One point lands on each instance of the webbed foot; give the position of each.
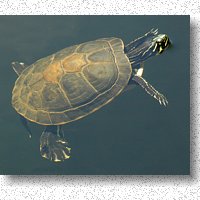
(54, 147)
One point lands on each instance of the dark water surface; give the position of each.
(131, 135)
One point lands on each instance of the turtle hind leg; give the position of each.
(25, 124)
(53, 146)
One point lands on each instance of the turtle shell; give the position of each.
(73, 82)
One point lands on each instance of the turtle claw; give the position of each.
(53, 147)
(161, 98)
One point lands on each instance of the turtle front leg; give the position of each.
(137, 78)
(53, 146)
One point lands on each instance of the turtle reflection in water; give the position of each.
(77, 81)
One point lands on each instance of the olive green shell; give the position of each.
(73, 82)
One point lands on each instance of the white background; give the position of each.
(115, 187)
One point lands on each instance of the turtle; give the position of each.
(77, 81)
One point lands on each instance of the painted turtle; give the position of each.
(77, 81)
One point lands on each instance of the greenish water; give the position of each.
(131, 135)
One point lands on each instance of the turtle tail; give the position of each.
(53, 146)
(142, 48)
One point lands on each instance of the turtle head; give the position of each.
(145, 47)
(161, 42)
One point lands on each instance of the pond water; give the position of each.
(131, 135)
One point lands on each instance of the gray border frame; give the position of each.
(116, 187)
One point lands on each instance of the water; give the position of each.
(131, 135)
